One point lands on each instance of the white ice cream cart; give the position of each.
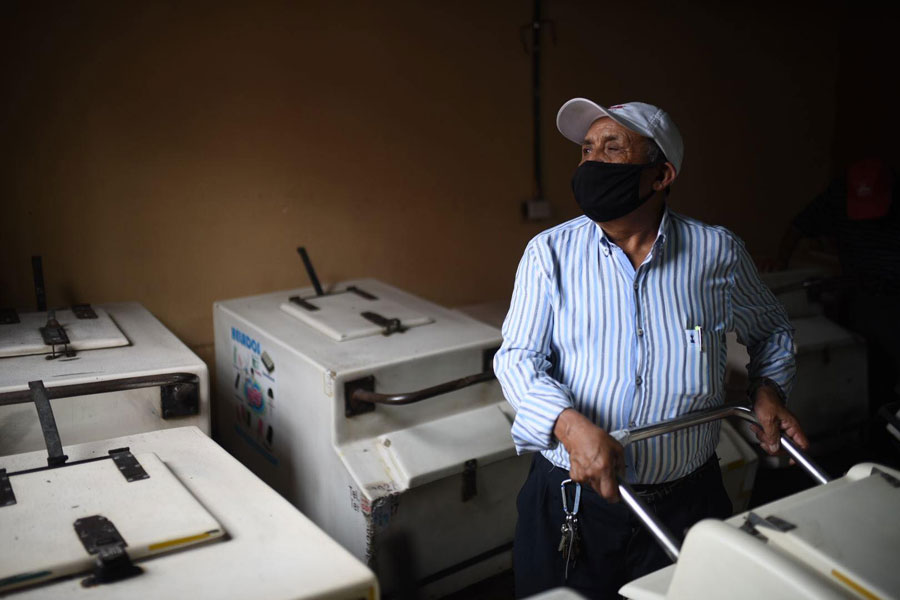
(164, 514)
(837, 540)
(115, 369)
(376, 413)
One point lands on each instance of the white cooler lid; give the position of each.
(846, 531)
(339, 315)
(38, 540)
(24, 338)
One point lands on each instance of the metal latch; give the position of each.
(753, 521)
(128, 465)
(469, 486)
(389, 326)
(55, 335)
(100, 537)
(7, 496)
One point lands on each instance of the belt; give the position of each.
(653, 492)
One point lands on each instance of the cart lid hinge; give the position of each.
(128, 465)
(84, 311)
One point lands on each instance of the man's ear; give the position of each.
(666, 176)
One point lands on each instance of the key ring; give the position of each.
(565, 497)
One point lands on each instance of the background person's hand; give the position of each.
(775, 419)
(595, 457)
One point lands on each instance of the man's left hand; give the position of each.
(775, 419)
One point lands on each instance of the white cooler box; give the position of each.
(121, 372)
(836, 540)
(166, 514)
(423, 492)
(830, 542)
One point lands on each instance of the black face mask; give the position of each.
(607, 191)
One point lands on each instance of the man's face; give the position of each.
(607, 141)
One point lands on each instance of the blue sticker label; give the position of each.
(244, 340)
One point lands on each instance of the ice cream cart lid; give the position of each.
(84, 328)
(354, 313)
(54, 521)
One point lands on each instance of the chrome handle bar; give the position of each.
(626, 436)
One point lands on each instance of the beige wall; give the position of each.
(177, 153)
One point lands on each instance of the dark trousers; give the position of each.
(615, 546)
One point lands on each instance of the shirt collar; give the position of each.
(661, 233)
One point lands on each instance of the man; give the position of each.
(618, 320)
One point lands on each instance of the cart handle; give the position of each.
(626, 436)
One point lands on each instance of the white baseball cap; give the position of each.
(576, 116)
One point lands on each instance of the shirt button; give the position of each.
(640, 332)
(638, 380)
(635, 285)
(606, 252)
(632, 424)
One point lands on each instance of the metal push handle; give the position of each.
(625, 436)
(101, 387)
(370, 397)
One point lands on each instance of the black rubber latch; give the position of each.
(100, 537)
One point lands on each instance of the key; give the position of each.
(564, 541)
(573, 545)
(569, 544)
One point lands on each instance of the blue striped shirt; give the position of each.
(585, 330)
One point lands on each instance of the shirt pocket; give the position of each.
(694, 376)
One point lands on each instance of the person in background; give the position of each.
(859, 211)
(617, 320)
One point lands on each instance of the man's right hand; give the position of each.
(595, 457)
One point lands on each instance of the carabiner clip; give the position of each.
(565, 496)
